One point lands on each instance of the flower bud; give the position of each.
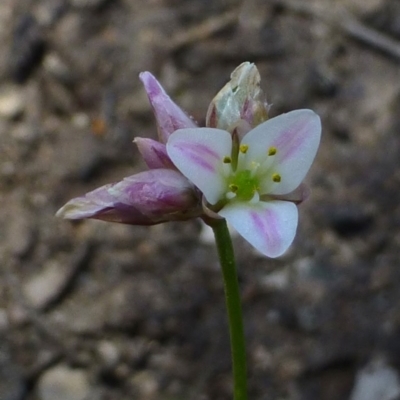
(154, 153)
(169, 116)
(147, 198)
(240, 99)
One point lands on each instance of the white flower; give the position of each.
(246, 182)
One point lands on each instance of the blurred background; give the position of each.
(96, 311)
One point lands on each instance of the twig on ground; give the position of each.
(203, 31)
(346, 22)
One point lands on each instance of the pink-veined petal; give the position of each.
(268, 226)
(169, 115)
(295, 136)
(198, 154)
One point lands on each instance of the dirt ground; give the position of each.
(97, 311)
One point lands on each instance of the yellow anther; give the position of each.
(234, 188)
(243, 148)
(276, 177)
(227, 160)
(272, 151)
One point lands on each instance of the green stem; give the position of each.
(233, 304)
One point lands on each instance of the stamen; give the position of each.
(276, 177)
(226, 169)
(254, 165)
(243, 148)
(230, 195)
(234, 188)
(256, 198)
(272, 151)
(227, 160)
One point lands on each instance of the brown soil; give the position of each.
(140, 311)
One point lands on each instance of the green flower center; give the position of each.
(243, 185)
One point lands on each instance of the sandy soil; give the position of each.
(104, 311)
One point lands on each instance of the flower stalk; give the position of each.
(233, 305)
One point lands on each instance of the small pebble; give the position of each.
(63, 383)
(146, 383)
(41, 289)
(108, 352)
(377, 380)
(57, 68)
(12, 101)
(276, 281)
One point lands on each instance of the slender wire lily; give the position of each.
(242, 167)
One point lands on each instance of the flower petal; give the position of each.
(146, 198)
(169, 116)
(269, 226)
(295, 136)
(198, 154)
